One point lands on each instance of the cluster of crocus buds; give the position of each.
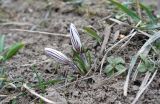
(77, 47)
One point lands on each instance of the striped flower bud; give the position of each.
(60, 57)
(57, 55)
(75, 40)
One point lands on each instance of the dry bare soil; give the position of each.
(54, 17)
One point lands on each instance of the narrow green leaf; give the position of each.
(129, 12)
(49, 82)
(79, 62)
(89, 57)
(149, 13)
(13, 50)
(92, 32)
(2, 38)
(150, 27)
(39, 77)
(80, 66)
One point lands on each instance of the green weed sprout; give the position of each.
(146, 65)
(81, 60)
(115, 65)
(5, 55)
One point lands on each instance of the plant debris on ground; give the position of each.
(104, 51)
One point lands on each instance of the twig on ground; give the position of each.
(107, 33)
(145, 80)
(136, 71)
(3, 95)
(144, 33)
(126, 24)
(144, 88)
(37, 95)
(115, 36)
(40, 32)
(104, 18)
(132, 35)
(16, 23)
(78, 80)
(36, 63)
(106, 79)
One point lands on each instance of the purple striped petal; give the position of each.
(57, 55)
(75, 39)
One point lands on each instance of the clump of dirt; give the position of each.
(54, 16)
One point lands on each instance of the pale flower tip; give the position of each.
(72, 25)
(46, 49)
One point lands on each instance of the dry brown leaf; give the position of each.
(107, 32)
(115, 36)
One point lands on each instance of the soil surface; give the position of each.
(55, 16)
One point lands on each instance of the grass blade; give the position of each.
(80, 63)
(93, 33)
(40, 79)
(13, 50)
(2, 38)
(129, 12)
(151, 26)
(149, 13)
(89, 58)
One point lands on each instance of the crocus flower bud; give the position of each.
(57, 55)
(75, 40)
(60, 57)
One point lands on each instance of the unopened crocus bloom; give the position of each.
(75, 39)
(59, 57)
(76, 42)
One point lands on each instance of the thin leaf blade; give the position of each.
(13, 50)
(2, 38)
(93, 33)
(149, 13)
(129, 12)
